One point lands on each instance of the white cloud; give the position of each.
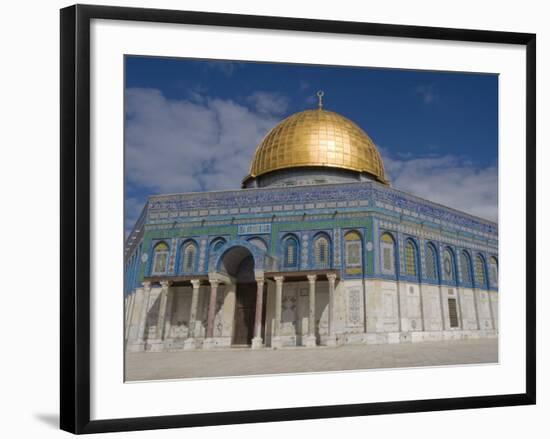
(196, 93)
(133, 207)
(448, 180)
(225, 67)
(268, 103)
(183, 145)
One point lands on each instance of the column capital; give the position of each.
(214, 283)
(331, 277)
(260, 280)
(311, 278)
(196, 283)
(147, 285)
(279, 279)
(165, 283)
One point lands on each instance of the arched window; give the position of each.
(322, 252)
(353, 253)
(217, 244)
(290, 249)
(189, 257)
(448, 265)
(466, 268)
(480, 271)
(160, 258)
(410, 258)
(493, 271)
(431, 262)
(387, 247)
(258, 242)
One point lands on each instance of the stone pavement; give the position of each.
(143, 366)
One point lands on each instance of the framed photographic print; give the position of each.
(284, 218)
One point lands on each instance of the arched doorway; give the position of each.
(238, 262)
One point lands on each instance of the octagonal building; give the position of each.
(316, 248)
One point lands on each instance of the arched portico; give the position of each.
(238, 263)
(234, 251)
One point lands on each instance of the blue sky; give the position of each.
(193, 125)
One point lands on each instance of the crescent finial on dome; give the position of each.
(320, 95)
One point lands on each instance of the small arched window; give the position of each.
(448, 266)
(160, 259)
(290, 249)
(217, 244)
(387, 247)
(431, 262)
(480, 271)
(353, 253)
(189, 257)
(322, 255)
(466, 268)
(258, 242)
(410, 258)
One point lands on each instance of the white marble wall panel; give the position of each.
(410, 306)
(484, 309)
(432, 312)
(382, 306)
(468, 308)
(493, 297)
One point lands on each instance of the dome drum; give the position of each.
(307, 175)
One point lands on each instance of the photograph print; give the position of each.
(292, 218)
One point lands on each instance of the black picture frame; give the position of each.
(75, 218)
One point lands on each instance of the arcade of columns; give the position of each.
(165, 308)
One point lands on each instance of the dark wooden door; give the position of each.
(453, 314)
(245, 309)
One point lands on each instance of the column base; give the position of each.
(155, 345)
(276, 342)
(257, 343)
(310, 341)
(209, 343)
(189, 344)
(135, 347)
(331, 340)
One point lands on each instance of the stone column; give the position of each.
(257, 341)
(129, 308)
(169, 313)
(162, 309)
(311, 340)
(144, 312)
(190, 342)
(331, 339)
(209, 342)
(276, 341)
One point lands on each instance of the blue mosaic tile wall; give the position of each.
(270, 214)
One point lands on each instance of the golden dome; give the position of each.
(318, 138)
